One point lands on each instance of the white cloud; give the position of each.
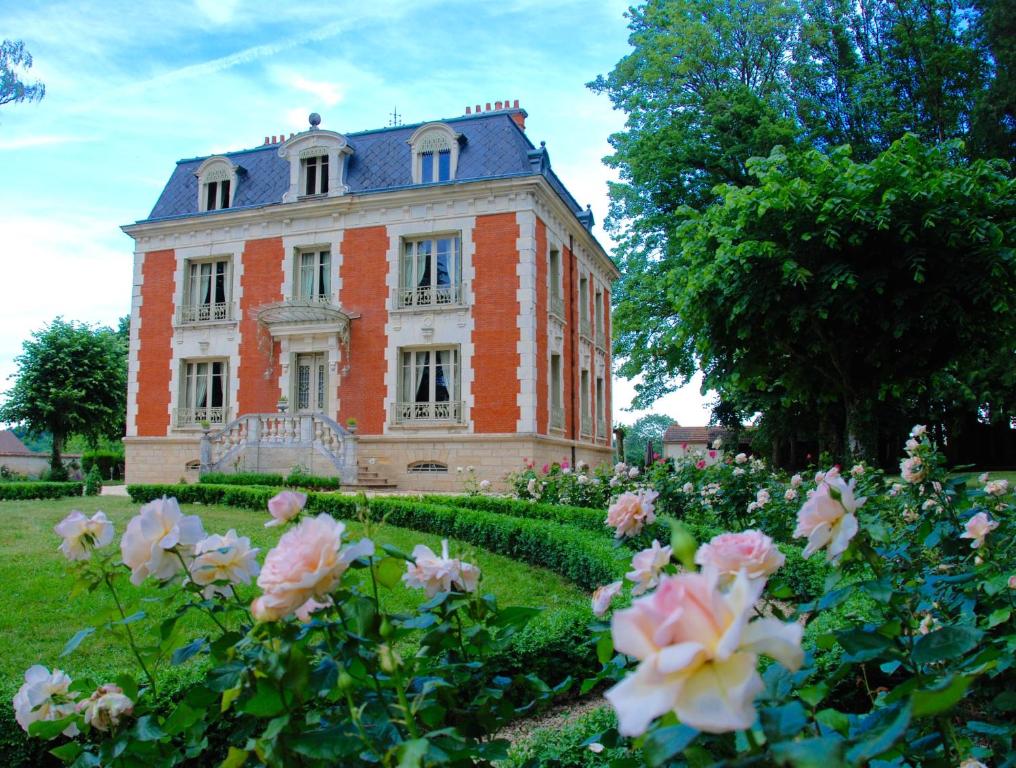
(218, 11)
(328, 94)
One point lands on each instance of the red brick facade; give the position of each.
(261, 283)
(495, 330)
(155, 337)
(364, 275)
(542, 390)
(569, 365)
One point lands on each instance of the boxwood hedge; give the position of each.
(38, 490)
(292, 480)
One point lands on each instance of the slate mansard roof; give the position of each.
(493, 147)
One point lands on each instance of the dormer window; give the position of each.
(315, 174)
(216, 184)
(435, 153)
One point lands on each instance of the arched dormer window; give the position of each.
(317, 164)
(435, 153)
(216, 184)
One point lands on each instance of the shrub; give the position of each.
(110, 463)
(38, 490)
(295, 479)
(93, 481)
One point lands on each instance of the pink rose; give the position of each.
(827, 517)
(700, 464)
(157, 539)
(82, 534)
(712, 454)
(603, 596)
(303, 613)
(106, 707)
(750, 551)
(977, 527)
(647, 566)
(285, 506)
(223, 561)
(994, 487)
(545, 468)
(698, 654)
(913, 469)
(435, 574)
(631, 512)
(307, 563)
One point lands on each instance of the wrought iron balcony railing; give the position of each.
(448, 412)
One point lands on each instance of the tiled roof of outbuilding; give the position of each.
(494, 147)
(10, 445)
(679, 434)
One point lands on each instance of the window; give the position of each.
(598, 317)
(435, 152)
(314, 275)
(428, 386)
(315, 175)
(427, 467)
(207, 294)
(601, 419)
(584, 305)
(556, 409)
(431, 272)
(203, 393)
(554, 268)
(216, 183)
(584, 403)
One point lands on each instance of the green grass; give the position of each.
(37, 617)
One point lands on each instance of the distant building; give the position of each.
(680, 441)
(436, 283)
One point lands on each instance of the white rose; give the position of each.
(222, 561)
(740, 458)
(688, 488)
(45, 696)
(796, 481)
(633, 473)
(83, 534)
(156, 540)
(106, 708)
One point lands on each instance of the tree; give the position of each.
(13, 56)
(646, 428)
(837, 285)
(71, 380)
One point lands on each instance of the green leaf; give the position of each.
(945, 643)
(182, 718)
(266, 701)
(235, 758)
(834, 719)
(128, 685)
(887, 727)
(394, 551)
(822, 752)
(66, 752)
(389, 571)
(664, 743)
(999, 616)
(133, 618)
(931, 701)
(180, 655)
(783, 722)
(863, 645)
(605, 648)
(49, 729)
(146, 729)
(75, 641)
(812, 695)
(325, 744)
(411, 753)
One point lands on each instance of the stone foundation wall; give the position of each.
(161, 459)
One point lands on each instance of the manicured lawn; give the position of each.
(37, 617)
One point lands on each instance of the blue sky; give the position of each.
(132, 87)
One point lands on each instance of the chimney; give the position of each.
(469, 110)
(517, 114)
(266, 141)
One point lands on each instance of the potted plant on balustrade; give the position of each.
(351, 425)
(283, 404)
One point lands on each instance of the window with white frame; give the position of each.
(203, 393)
(601, 416)
(598, 316)
(428, 386)
(554, 269)
(216, 184)
(556, 399)
(314, 275)
(584, 305)
(586, 420)
(431, 272)
(435, 151)
(207, 291)
(315, 174)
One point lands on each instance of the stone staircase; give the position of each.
(367, 479)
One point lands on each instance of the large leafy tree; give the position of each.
(71, 380)
(645, 429)
(14, 57)
(839, 285)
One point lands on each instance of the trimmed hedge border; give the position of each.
(313, 482)
(38, 490)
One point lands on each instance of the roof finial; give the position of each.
(315, 120)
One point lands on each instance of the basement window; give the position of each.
(427, 468)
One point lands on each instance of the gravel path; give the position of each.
(555, 717)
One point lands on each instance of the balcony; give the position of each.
(193, 417)
(206, 313)
(422, 414)
(556, 417)
(557, 305)
(430, 297)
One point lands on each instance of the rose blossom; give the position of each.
(972, 762)
(700, 464)
(1012, 581)
(790, 495)
(750, 551)
(105, 708)
(631, 512)
(485, 485)
(633, 473)
(698, 654)
(157, 538)
(82, 534)
(582, 479)
(531, 486)
(226, 558)
(285, 506)
(913, 469)
(44, 696)
(977, 527)
(795, 481)
(688, 488)
(738, 471)
(983, 477)
(996, 487)
(647, 566)
(603, 596)
(919, 430)
(439, 574)
(762, 497)
(740, 458)
(827, 517)
(620, 468)
(857, 470)
(303, 613)
(307, 563)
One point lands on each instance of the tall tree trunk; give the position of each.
(56, 467)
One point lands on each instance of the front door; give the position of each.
(311, 383)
